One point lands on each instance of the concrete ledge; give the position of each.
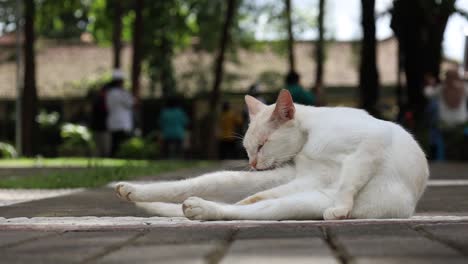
(138, 223)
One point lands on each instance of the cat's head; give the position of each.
(274, 136)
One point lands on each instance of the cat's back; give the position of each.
(333, 132)
(337, 118)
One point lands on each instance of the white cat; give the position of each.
(312, 163)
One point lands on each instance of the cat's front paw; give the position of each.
(124, 191)
(337, 213)
(198, 209)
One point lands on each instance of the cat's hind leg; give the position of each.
(301, 206)
(226, 186)
(295, 186)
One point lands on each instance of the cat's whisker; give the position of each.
(237, 134)
(245, 168)
(236, 137)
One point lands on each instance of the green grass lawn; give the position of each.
(96, 173)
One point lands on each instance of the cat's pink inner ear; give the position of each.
(284, 109)
(253, 105)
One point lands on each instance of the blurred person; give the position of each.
(448, 110)
(451, 98)
(119, 103)
(230, 122)
(98, 125)
(436, 142)
(173, 122)
(298, 93)
(452, 107)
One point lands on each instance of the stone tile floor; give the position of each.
(94, 227)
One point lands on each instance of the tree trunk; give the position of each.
(369, 77)
(434, 43)
(419, 26)
(166, 72)
(137, 48)
(218, 77)
(407, 23)
(136, 60)
(292, 61)
(29, 97)
(219, 66)
(117, 33)
(319, 49)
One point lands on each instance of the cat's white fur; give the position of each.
(313, 163)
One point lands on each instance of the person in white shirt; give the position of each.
(119, 104)
(448, 109)
(452, 97)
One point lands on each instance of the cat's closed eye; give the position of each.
(260, 147)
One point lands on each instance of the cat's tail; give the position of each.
(162, 209)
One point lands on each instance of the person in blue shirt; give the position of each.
(173, 122)
(299, 95)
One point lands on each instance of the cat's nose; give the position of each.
(253, 164)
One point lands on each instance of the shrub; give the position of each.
(49, 132)
(77, 140)
(45, 119)
(7, 151)
(139, 148)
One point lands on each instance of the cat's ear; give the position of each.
(253, 105)
(284, 109)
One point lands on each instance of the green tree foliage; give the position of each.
(7, 16)
(207, 22)
(168, 29)
(53, 18)
(275, 14)
(177, 24)
(62, 19)
(100, 16)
